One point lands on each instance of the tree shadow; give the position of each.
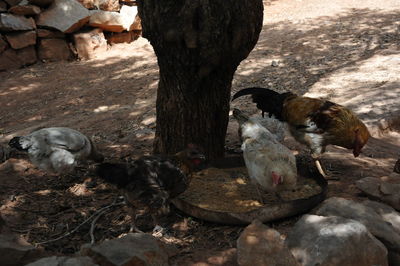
(113, 101)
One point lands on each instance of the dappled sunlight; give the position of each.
(348, 54)
(105, 108)
(19, 89)
(318, 47)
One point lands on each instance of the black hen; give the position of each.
(150, 182)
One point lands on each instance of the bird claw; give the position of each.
(158, 231)
(134, 229)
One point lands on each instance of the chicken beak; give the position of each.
(356, 153)
(276, 179)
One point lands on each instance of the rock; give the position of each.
(50, 34)
(109, 5)
(89, 4)
(8, 60)
(54, 50)
(396, 168)
(15, 250)
(385, 188)
(114, 21)
(9, 22)
(3, 226)
(27, 56)
(90, 43)
(13, 2)
(41, 3)
(394, 259)
(387, 213)
(365, 215)
(63, 261)
(260, 245)
(64, 15)
(106, 5)
(334, 241)
(25, 9)
(132, 249)
(274, 63)
(3, 6)
(19, 40)
(121, 37)
(3, 44)
(13, 59)
(136, 25)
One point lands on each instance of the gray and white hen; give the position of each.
(57, 149)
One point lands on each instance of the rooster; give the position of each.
(57, 149)
(270, 164)
(150, 182)
(313, 122)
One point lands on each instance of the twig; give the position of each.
(93, 225)
(85, 221)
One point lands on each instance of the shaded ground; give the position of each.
(347, 51)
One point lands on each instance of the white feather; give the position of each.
(57, 149)
(264, 154)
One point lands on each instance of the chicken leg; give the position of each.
(322, 172)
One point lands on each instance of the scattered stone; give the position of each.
(25, 9)
(260, 245)
(114, 21)
(121, 37)
(136, 25)
(27, 56)
(3, 44)
(64, 15)
(274, 63)
(90, 43)
(385, 188)
(333, 241)
(396, 168)
(54, 50)
(19, 40)
(131, 249)
(41, 3)
(10, 22)
(13, 2)
(382, 230)
(3, 6)
(109, 5)
(89, 4)
(387, 213)
(15, 250)
(13, 164)
(106, 5)
(50, 34)
(8, 60)
(63, 261)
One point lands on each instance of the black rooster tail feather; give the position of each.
(113, 173)
(15, 143)
(268, 101)
(255, 90)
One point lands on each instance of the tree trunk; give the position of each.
(199, 44)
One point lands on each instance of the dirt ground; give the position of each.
(346, 51)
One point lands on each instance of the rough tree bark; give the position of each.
(199, 44)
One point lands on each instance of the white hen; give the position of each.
(57, 149)
(270, 164)
(276, 127)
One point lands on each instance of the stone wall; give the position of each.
(52, 30)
